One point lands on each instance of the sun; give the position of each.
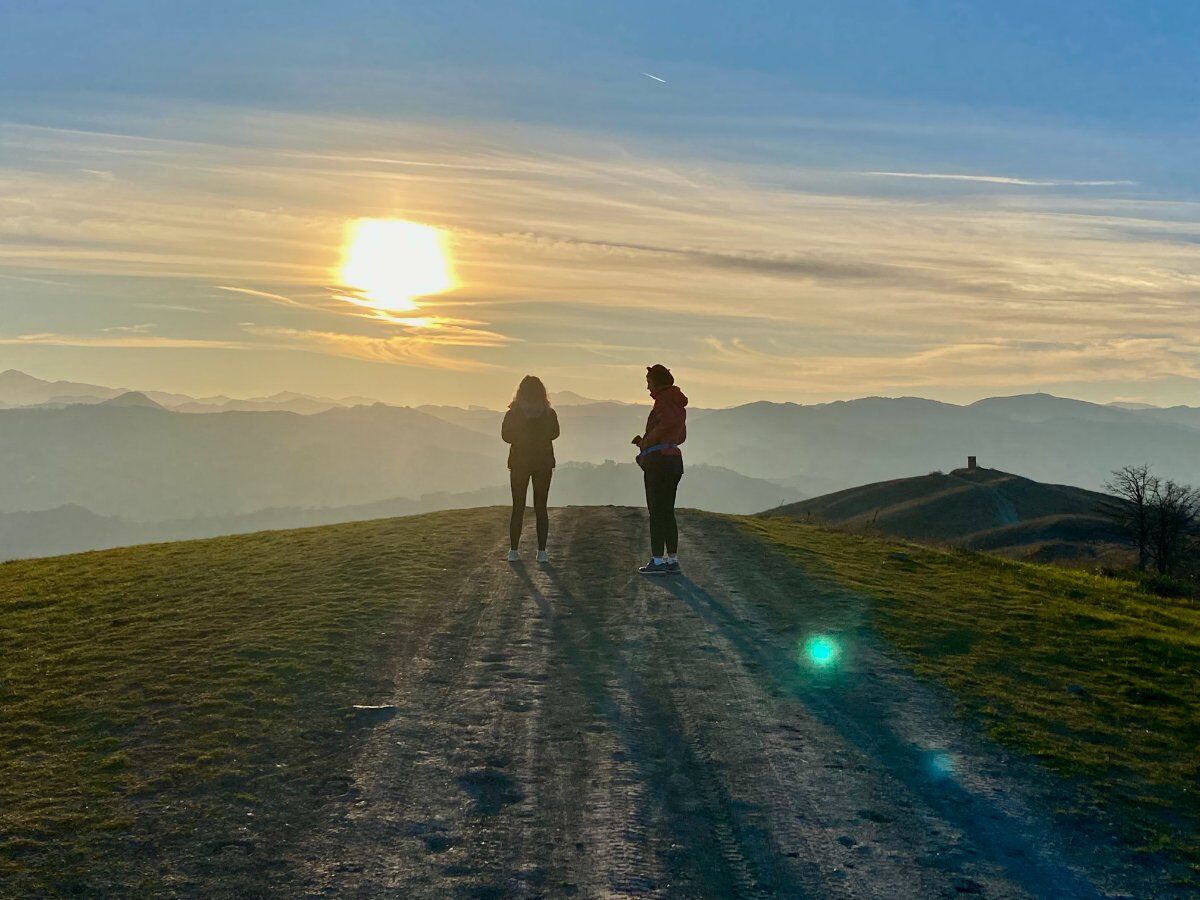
(388, 263)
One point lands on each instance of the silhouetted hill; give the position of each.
(131, 398)
(981, 509)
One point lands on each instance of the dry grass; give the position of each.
(169, 711)
(1094, 676)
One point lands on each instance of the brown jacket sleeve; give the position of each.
(508, 428)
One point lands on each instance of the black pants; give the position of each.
(519, 481)
(662, 474)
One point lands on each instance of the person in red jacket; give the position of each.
(530, 427)
(662, 467)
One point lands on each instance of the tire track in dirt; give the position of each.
(579, 730)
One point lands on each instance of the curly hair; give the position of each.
(531, 395)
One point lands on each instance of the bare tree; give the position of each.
(1134, 487)
(1174, 510)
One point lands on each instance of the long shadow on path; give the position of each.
(702, 836)
(852, 705)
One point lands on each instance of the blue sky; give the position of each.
(823, 200)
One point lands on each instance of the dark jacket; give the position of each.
(667, 422)
(531, 438)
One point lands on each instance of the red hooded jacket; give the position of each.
(667, 422)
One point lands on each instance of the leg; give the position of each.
(519, 482)
(654, 505)
(541, 495)
(670, 486)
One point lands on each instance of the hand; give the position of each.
(637, 440)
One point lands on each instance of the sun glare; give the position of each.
(388, 263)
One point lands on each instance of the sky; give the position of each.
(808, 201)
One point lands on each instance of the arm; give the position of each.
(555, 431)
(508, 429)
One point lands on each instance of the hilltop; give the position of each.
(979, 509)
(387, 707)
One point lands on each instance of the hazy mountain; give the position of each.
(981, 509)
(570, 398)
(832, 446)
(72, 528)
(130, 458)
(130, 398)
(149, 463)
(66, 529)
(20, 390)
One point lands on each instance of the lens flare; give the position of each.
(940, 764)
(821, 651)
(388, 263)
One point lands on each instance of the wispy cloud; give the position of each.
(119, 340)
(406, 350)
(266, 295)
(799, 279)
(994, 179)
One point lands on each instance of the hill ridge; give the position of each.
(977, 508)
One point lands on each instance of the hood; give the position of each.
(671, 395)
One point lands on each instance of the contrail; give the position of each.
(655, 77)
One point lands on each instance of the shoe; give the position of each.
(513, 556)
(543, 557)
(653, 568)
(672, 567)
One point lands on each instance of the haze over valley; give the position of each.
(89, 466)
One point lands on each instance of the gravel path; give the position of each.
(579, 730)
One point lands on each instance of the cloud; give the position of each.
(133, 341)
(993, 179)
(266, 295)
(987, 364)
(409, 349)
(581, 240)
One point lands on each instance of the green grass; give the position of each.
(159, 704)
(1093, 676)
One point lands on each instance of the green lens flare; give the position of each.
(941, 765)
(821, 650)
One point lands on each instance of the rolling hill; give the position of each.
(979, 509)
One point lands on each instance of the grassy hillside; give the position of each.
(173, 710)
(1090, 675)
(981, 509)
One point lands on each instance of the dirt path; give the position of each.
(578, 730)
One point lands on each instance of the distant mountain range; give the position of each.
(136, 456)
(18, 389)
(978, 509)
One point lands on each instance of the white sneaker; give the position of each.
(513, 556)
(543, 557)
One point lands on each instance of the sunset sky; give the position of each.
(820, 200)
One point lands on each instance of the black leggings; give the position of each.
(541, 493)
(662, 474)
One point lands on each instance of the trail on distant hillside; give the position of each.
(580, 730)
